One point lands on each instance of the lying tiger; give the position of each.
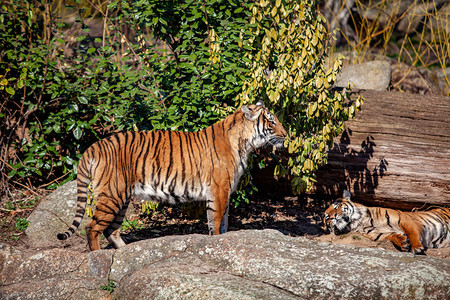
(171, 167)
(408, 231)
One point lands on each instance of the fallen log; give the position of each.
(395, 153)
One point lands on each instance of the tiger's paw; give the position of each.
(400, 241)
(405, 245)
(419, 251)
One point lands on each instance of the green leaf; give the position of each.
(56, 128)
(12, 173)
(77, 132)
(10, 90)
(163, 21)
(83, 100)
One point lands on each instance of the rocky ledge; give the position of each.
(246, 264)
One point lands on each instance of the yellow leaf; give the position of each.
(311, 110)
(319, 82)
(273, 34)
(291, 147)
(274, 11)
(276, 171)
(322, 146)
(276, 96)
(324, 97)
(89, 211)
(326, 84)
(336, 65)
(351, 111)
(315, 40)
(308, 33)
(307, 165)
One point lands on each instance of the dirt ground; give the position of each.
(290, 215)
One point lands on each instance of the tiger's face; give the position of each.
(338, 216)
(268, 129)
(277, 133)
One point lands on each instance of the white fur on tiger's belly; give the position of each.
(178, 195)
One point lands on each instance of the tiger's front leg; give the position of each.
(224, 224)
(399, 240)
(413, 232)
(217, 214)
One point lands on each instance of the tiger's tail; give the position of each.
(84, 169)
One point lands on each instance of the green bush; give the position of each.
(108, 84)
(179, 65)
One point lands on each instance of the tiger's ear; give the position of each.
(346, 195)
(260, 103)
(250, 114)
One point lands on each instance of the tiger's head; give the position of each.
(339, 216)
(268, 130)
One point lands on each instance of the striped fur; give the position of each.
(408, 231)
(171, 167)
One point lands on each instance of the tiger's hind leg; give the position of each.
(106, 211)
(113, 237)
(112, 233)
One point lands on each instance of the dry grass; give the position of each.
(416, 33)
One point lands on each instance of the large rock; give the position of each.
(53, 274)
(372, 75)
(53, 215)
(237, 265)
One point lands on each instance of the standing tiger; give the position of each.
(409, 231)
(170, 166)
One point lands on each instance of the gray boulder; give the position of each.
(372, 75)
(247, 264)
(53, 274)
(53, 215)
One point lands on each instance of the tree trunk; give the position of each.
(395, 153)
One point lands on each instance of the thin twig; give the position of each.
(47, 184)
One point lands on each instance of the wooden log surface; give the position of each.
(395, 153)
